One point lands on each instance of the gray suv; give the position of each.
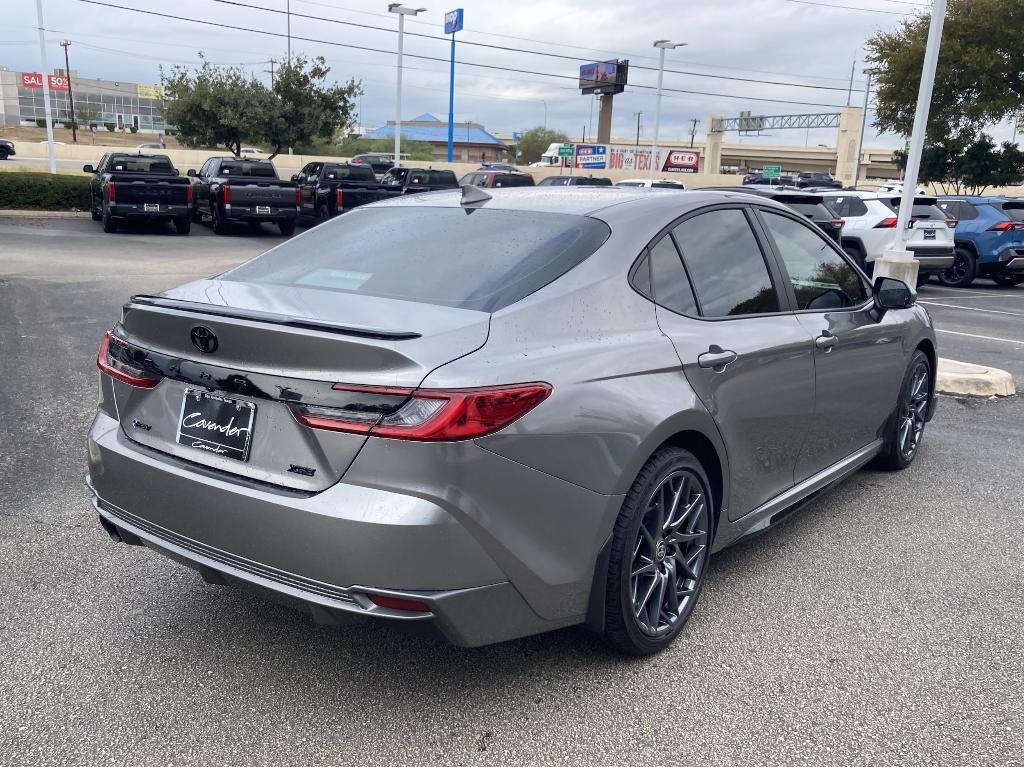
(532, 409)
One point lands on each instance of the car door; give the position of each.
(202, 186)
(96, 183)
(742, 350)
(858, 355)
(308, 187)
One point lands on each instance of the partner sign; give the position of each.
(591, 156)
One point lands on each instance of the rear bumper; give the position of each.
(933, 259)
(328, 551)
(138, 210)
(248, 213)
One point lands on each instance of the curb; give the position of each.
(43, 214)
(963, 378)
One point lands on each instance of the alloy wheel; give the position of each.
(914, 411)
(670, 553)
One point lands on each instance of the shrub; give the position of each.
(41, 191)
(134, 129)
(40, 123)
(110, 126)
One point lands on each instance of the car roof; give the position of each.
(972, 198)
(240, 159)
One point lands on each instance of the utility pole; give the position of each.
(65, 44)
(638, 115)
(863, 126)
(693, 130)
(271, 62)
(288, 14)
(849, 91)
(46, 88)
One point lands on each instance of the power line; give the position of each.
(509, 49)
(442, 60)
(848, 7)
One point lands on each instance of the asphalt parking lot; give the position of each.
(881, 625)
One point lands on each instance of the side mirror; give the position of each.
(191, 173)
(88, 169)
(891, 293)
(295, 177)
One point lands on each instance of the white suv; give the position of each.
(870, 229)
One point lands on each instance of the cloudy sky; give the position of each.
(792, 43)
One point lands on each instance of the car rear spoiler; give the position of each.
(235, 313)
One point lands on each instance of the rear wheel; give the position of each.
(109, 224)
(906, 425)
(183, 225)
(856, 255)
(961, 273)
(287, 227)
(3, 153)
(220, 225)
(322, 213)
(1007, 280)
(660, 550)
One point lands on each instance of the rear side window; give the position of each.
(473, 179)
(729, 273)
(480, 259)
(247, 169)
(350, 172)
(847, 207)
(514, 179)
(1015, 210)
(555, 181)
(811, 211)
(669, 284)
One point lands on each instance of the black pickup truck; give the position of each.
(399, 181)
(323, 187)
(229, 189)
(138, 186)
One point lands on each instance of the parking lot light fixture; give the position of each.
(662, 46)
(402, 12)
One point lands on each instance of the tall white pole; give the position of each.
(657, 113)
(398, 94)
(46, 88)
(860, 139)
(924, 100)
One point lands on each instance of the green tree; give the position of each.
(1011, 166)
(420, 151)
(87, 115)
(978, 167)
(965, 163)
(980, 75)
(536, 141)
(217, 106)
(304, 109)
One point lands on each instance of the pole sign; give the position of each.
(683, 161)
(453, 21)
(516, 137)
(771, 171)
(565, 150)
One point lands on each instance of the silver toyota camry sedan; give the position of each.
(491, 414)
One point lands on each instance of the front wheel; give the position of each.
(905, 430)
(183, 225)
(287, 227)
(109, 224)
(3, 153)
(660, 550)
(1007, 280)
(217, 220)
(961, 273)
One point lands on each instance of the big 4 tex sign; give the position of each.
(453, 21)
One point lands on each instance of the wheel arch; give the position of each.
(968, 245)
(927, 346)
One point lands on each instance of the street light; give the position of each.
(65, 44)
(402, 12)
(662, 46)
(46, 88)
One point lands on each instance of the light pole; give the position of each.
(288, 17)
(46, 88)
(452, 23)
(65, 44)
(662, 46)
(863, 127)
(545, 114)
(402, 12)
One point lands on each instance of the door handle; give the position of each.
(826, 341)
(716, 358)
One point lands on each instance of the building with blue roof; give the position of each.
(470, 142)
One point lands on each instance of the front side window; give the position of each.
(725, 263)
(821, 279)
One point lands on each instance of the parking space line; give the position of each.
(975, 335)
(959, 294)
(972, 308)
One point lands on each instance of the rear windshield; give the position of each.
(924, 207)
(815, 211)
(469, 259)
(353, 172)
(513, 179)
(433, 178)
(1015, 210)
(247, 169)
(663, 185)
(141, 165)
(594, 182)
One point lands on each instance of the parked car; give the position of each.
(574, 181)
(870, 229)
(646, 183)
(756, 179)
(232, 189)
(989, 239)
(499, 166)
(6, 149)
(488, 465)
(381, 163)
(494, 179)
(896, 187)
(817, 181)
(138, 187)
(150, 145)
(810, 206)
(322, 186)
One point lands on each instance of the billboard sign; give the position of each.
(453, 21)
(516, 137)
(591, 156)
(149, 91)
(682, 161)
(604, 77)
(35, 80)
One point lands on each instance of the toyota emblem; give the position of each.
(204, 339)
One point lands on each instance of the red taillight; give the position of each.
(111, 360)
(338, 198)
(951, 223)
(226, 194)
(188, 194)
(111, 191)
(298, 197)
(1005, 226)
(397, 603)
(430, 414)
(837, 222)
(886, 223)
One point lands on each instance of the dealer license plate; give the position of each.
(263, 210)
(152, 207)
(215, 424)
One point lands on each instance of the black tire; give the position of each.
(109, 224)
(857, 256)
(287, 227)
(3, 153)
(961, 273)
(1007, 280)
(322, 213)
(183, 225)
(922, 279)
(913, 404)
(642, 563)
(220, 225)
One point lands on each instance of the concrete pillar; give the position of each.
(712, 147)
(604, 120)
(847, 141)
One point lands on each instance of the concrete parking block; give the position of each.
(963, 378)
